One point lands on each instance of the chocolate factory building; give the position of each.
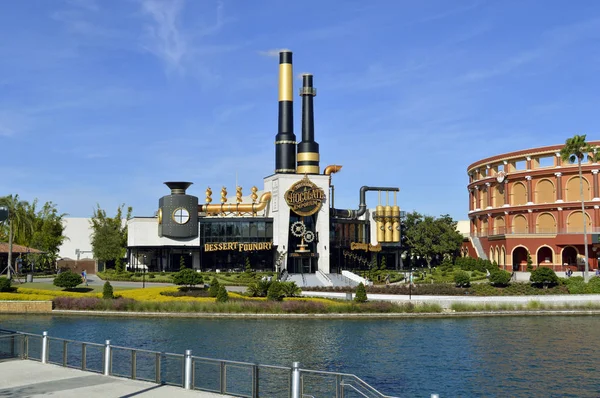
(290, 225)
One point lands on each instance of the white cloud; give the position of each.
(167, 41)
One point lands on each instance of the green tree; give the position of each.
(383, 264)
(213, 289)
(107, 291)
(67, 279)
(222, 295)
(529, 263)
(19, 224)
(431, 238)
(181, 262)
(575, 149)
(275, 292)
(361, 293)
(500, 277)
(109, 236)
(48, 235)
(543, 276)
(462, 279)
(187, 277)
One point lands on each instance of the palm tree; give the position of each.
(577, 148)
(20, 224)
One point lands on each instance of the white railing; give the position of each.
(240, 379)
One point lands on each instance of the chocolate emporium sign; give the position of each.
(305, 197)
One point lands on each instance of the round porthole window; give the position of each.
(181, 215)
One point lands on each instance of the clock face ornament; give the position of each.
(181, 215)
(500, 177)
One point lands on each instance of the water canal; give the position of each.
(493, 356)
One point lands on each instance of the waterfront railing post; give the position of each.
(44, 347)
(255, 381)
(107, 358)
(187, 377)
(296, 380)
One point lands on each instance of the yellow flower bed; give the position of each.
(25, 297)
(153, 294)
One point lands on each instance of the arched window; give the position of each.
(544, 192)
(520, 225)
(575, 222)
(498, 200)
(573, 192)
(545, 224)
(519, 194)
(499, 226)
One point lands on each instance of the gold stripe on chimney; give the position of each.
(307, 156)
(285, 82)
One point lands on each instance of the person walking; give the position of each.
(84, 277)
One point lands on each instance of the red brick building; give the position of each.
(529, 202)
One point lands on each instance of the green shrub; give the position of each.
(290, 289)
(107, 291)
(187, 277)
(543, 276)
(275, 292)
(222, 295)
(4, 284)
(259, 288)
(462, 279)
(361, 293)
(213, 290)
(67, 280)
(594, 285)
(500, 277)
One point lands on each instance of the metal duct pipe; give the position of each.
(285, 141)
(237, 207)
(308, 149)
(362, 206)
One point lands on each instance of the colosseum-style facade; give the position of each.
(529, 202)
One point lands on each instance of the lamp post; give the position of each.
(144, 274)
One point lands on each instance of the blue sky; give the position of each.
(103, 101)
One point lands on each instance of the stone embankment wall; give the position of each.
(22, 307)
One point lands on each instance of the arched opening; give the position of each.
(573, 191)
(520, 225)
(545, 224)
(502, 261)
(519, 194)
(544, 192)
(545, 257)
(499, 228)
(499, 196)
(519, 257)
(575, 222)
(569, 258)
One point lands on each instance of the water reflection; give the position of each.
(500, 356)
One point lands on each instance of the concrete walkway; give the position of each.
(25, 378)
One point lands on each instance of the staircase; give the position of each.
(478, 248)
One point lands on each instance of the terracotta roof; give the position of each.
(17, 248)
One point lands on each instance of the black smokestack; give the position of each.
(285, 141)
(308, 149)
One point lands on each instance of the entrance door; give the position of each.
(303, 265)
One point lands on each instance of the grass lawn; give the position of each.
(81, 288)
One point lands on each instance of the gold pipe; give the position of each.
(334, 168)
(237, 207)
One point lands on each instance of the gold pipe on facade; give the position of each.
(237, 207)
(331, 169)
(380, 224)
(208, 195)
(387, 211)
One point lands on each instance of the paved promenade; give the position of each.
(25, 378)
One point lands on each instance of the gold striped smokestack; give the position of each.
(285, 141)
(308, 149)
